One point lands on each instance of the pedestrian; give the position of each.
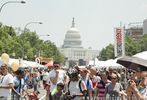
(6, 83)
(138, 92)
(76, 87)
(17, 90)
(114, 89)
(59, 94)
(84, 74)
(104, 82)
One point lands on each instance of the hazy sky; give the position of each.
(95, 19)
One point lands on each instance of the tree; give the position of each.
(107, 53)
(26, 44)
(143, 43)
(131, 47)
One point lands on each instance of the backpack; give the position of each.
(87, 85)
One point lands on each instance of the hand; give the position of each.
(133, 85)
(129, 91)
(122, 93)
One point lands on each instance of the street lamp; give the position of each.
(11, 2)
(44, 35)
(31, 23)
(24, 32)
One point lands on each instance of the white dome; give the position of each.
(72, 38)
(72, 33)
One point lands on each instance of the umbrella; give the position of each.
(133, 62)
(142, 55)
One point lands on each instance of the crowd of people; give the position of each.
(89, 83)
(86, 83)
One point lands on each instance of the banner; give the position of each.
(119, 42)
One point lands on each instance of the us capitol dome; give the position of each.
(73, 51)
(72, 38)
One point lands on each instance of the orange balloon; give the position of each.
(15, 66)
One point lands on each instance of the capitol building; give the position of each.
(72, 48)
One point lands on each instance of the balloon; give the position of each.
(15, 66)
(5, 58)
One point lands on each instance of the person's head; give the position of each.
(93, 70)
(56, 65)
(143, 78)
(60, 86)
(144, 81)
(74, 76)
(110, 70)
(104, 75)
(20, 73)
(114, 78)
(26, 71)
(143, 74)
(4, 69)
(83, 72)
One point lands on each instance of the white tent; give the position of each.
(32, 64)
(25, 63)
(105, 64)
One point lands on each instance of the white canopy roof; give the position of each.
(105, 64)
(25, 63)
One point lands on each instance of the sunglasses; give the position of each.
(56, 66)
(2, 68)
(113, 78)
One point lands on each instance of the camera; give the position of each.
(129, 82)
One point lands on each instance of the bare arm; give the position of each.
(9, 86)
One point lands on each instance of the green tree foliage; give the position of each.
(27, 44)
(143, 43)
(107, 53)
(131, 47)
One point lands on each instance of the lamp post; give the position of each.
(25, 30)
(11, 2)
(31, 23)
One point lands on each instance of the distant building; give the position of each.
(135, 30)
(145, 26)
(73, 51)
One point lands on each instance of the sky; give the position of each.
(95, 19)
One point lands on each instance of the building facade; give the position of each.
(135, 32)
(145, 26)
(72, 48)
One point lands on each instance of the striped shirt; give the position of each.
(102, 88)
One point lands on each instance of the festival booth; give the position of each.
(105, 64)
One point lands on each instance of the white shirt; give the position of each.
(74, 88)
(52, 74)
(45, 76)
(7, 79)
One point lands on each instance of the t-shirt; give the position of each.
(52, 74)
(144, 92)
(102, 88)
(114, 92)
(74, 88)
(45, 76)
(7, 79)
(17, 85)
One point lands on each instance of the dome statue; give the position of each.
(72, 38)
